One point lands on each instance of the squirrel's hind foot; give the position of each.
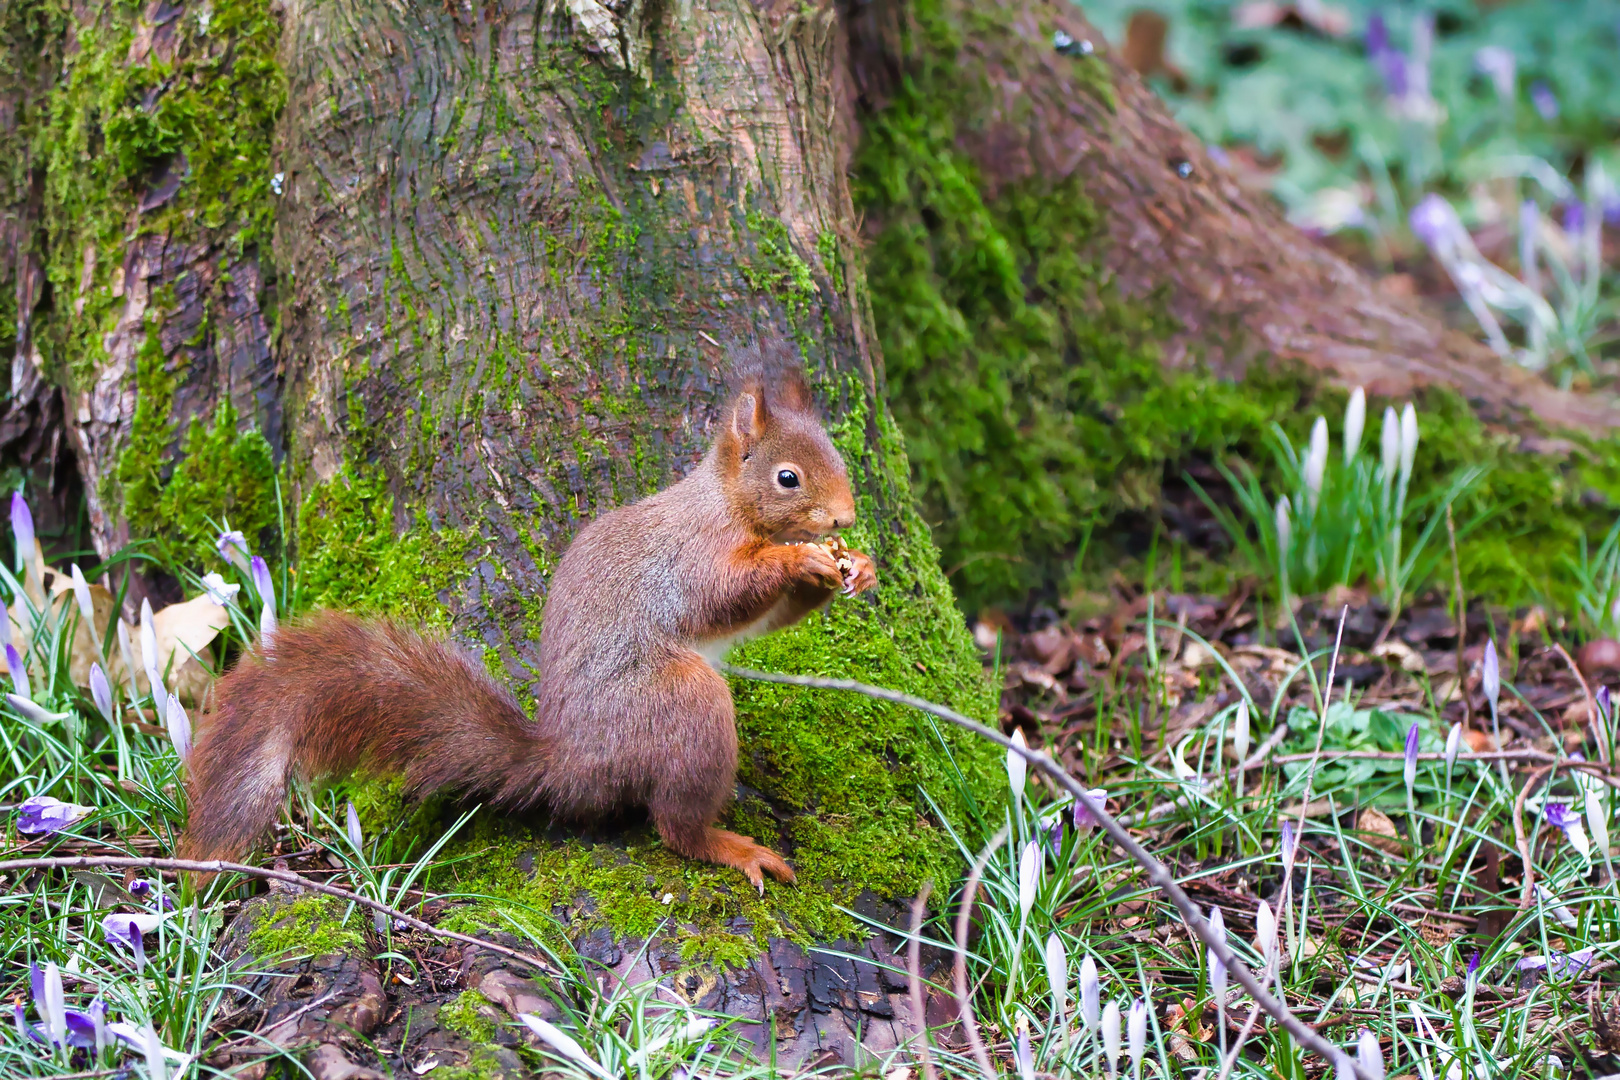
(738, 852)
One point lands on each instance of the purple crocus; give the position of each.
(1605, 702)
(129, 932)
(1434, 222)
(1568, 822)
(1574, 218)
(1389, 61)
(43, 814)
(1409, 767)
(101, 692)
(266, 588)
(1473, 967)
(1497, 64)
(1545, 101)
(22, 529)
(179, 728)
(19, 672)
(1084, 819)
(233, 548)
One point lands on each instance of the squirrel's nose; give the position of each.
(843, 519)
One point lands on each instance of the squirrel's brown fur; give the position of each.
(630, 711)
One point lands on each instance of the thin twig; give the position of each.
(964, 1001)
(218, 866)
(1518, 833)
(1157, 873)
(1255, 760)
(1591, 704)
(914, 982)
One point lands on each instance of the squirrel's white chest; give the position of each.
(714, 649)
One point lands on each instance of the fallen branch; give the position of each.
(218, 866)
(1156, 871)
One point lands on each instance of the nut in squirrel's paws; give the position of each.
(855, 567)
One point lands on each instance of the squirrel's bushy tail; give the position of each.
(336, 693)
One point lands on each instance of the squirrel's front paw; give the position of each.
(820, 567)
(862, 575)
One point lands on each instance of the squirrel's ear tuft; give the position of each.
(792, 393)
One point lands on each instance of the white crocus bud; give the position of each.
(1409, 442)
(1355, 422)
(1316, 464)
(1370, 1056)
(1240, 732)
(1453, 744)
(1597, 818)
(1285, 528)
(1110, 1034)
(1217, 969)
(1389, 445)
(1090, 994)
(1265, 925)
(1017, 769)
(1029, 877)
(1057, 974)
(1136, 1036)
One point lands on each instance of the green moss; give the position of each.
(466, 1016)
(350, 558)
(309, 925)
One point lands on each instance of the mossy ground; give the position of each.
(309, 925)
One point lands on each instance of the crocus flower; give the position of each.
(1435, 223)
(1287, 846)
(1240, 732)
(1029, 877)
(1389, 446)
(1084, 819)
(1315, 464)
(19, 672)
(565, 1045)
(1017, 769)
(1344, 1068)
(1597, 817)
(126, 649)
(1605, 703)
(49, 1000)
(1499, 65)
(233, 548)
(1369, 1056)
(219, 590)
(5, 624)
(88, 1027)
(1545, 101)
(1561, 914)
(1285, 528)
(1574, 218)
(81, 594)
(1136, 1036)
(1110, 1034)
(1355, 422)
(1409, 767)
(149, 649)
(179, 728)
(1409, 442)
(1568, 822)
(1473, 968)
(1217, 969)
(352, 827)
(1453, 744)
(1265, 926)
(152, 1047)
(1490, 675)
(32, 711)
(101, 692)
(1529, 230)
(1090, 994)
(266, 589)
(22, 529)
(43, 814)
(1023, 1053)
(1057, 974)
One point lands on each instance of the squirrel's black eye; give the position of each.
(788, 478)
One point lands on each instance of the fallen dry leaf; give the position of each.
(1399, 652)
(1381, 831)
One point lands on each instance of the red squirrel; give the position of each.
(630, 710)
